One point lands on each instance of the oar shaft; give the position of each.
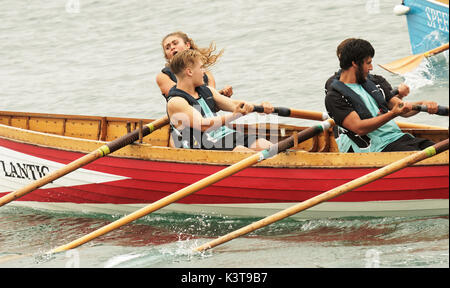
(86, 159)
(302, 136)
(311, 115)
(163, 202)
(377, 174)
(437, 50)
(247, 162)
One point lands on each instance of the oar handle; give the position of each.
(442, 110)
(394, 92)
(281, 111)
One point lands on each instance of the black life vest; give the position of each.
(375, 91)
(379, 81)
(189, 137)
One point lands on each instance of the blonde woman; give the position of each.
(179, 41)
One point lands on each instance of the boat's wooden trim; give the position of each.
(110, 128)
(405, 125)
(83, 127)
(444, 2)
(107, 129)
(145, 151)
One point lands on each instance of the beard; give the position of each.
(360, 77)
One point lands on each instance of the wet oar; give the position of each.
(442, 110)
(409, 63)
(88, 158)
(377, 174)
(247, 162)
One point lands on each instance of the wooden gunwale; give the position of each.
(319, 152)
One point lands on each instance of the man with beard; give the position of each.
(363, 117)
(400, 92)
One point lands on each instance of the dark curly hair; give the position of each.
(355, 50)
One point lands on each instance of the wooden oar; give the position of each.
(409, 63)
(389, 169)
(442, 110)
(320, 116)
(86, 159)
(247, 162)
(296, 113)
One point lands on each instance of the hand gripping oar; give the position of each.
(389, 169)
(247, 162)
(409, 63)
(442, 110)
(88, 158)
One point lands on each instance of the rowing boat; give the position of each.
(33, 145)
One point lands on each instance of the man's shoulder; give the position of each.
(332, 95)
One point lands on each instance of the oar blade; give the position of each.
(410, 63)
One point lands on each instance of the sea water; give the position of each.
(88, 57)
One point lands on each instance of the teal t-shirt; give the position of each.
(218, 133)
(380, 137)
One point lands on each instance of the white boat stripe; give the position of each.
(402, 208)
(19, 169)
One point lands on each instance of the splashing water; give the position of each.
(431, 71)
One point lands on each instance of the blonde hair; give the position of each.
(209, 58)
(185, 59)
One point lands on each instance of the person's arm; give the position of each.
(183, 115)
(164, 83)
(362, 127)
(432, 107)
(403, 90)
(226, 104)
(226, 91)
(394, 101)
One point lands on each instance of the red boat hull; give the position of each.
(144, 182)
